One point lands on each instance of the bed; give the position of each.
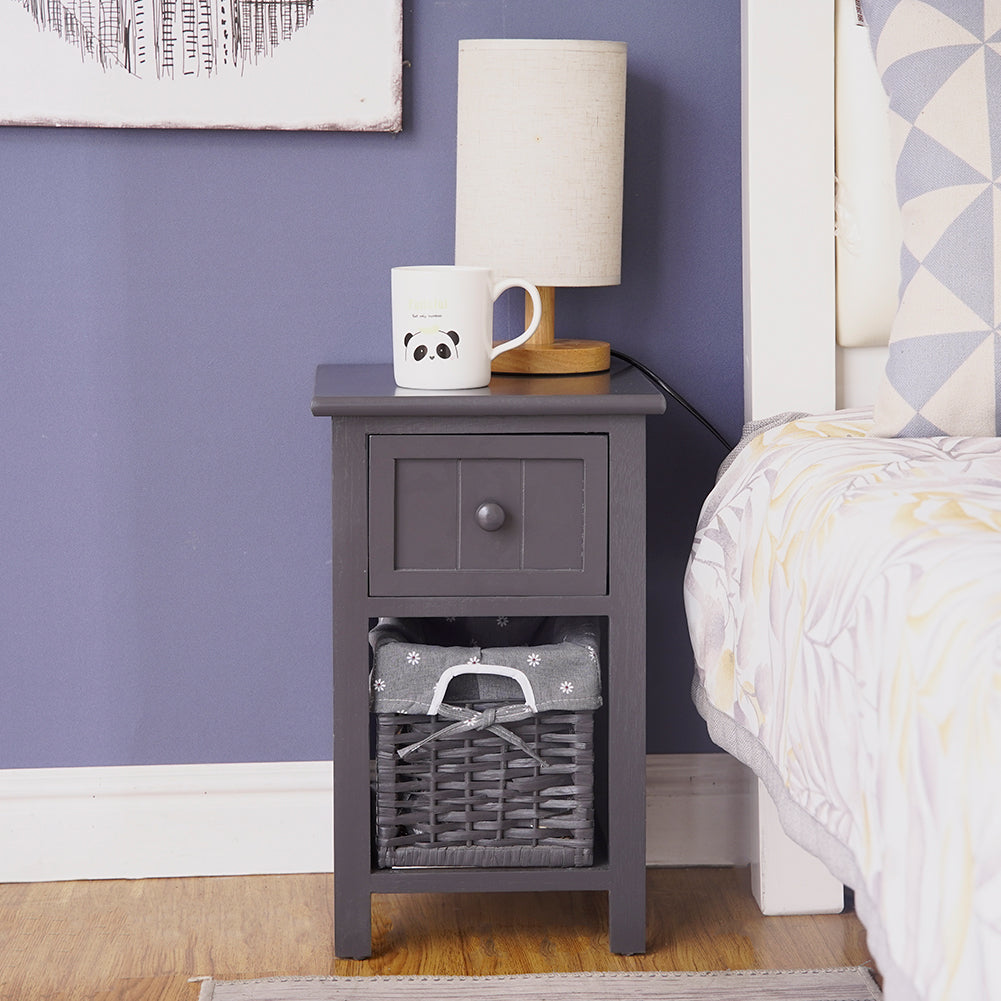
(844, 587)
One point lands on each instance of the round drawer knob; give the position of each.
(490, 516)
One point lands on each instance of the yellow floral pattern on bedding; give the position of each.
(844, 602)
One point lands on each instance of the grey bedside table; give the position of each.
(419, 482)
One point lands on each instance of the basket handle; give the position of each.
(499, 669)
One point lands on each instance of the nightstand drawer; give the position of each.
(488, 514)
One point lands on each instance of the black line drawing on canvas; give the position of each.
(170, 39)
(293, 65)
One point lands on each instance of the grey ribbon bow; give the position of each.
(487, 719)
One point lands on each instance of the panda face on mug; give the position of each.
(431, 345)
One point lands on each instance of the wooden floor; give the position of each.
(141, 940)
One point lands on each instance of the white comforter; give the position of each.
(844, 601)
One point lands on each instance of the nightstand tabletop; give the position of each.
(367, 390)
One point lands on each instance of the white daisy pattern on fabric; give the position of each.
(474, 659)
(413, 658)
(534, 660)
(566, 687)
(379, 685)
(502, 621)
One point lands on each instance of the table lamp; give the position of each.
(538, 194)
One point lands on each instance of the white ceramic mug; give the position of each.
(443, 318)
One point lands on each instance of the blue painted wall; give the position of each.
(164, 298)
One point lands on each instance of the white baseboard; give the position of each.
(236, 819)
(164, 820)
(700, 810)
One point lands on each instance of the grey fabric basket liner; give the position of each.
(558, 656)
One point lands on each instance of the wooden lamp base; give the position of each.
(545, 354)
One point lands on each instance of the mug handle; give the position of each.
(503, 286)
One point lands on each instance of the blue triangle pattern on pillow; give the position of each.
(963, 259)
(940, 62)
(912, 81)
(969, 13)
(938, 164)
(908, 366)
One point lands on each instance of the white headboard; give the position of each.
(811, 343)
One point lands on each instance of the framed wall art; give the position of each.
(240, 64)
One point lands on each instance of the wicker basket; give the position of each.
(517, 792)
(476, 800)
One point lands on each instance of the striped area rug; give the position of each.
(847, 984)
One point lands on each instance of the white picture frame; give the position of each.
(230, 64)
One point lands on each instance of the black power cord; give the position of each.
(674, 395)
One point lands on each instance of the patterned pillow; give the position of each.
(940, 63)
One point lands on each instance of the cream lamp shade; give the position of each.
(539, 162)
